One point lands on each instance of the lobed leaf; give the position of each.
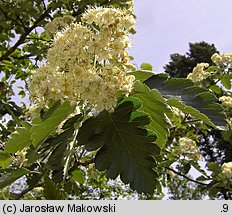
(197, 101)
(153, 104)
(142, 75)
(42, 128)
(19, 140)
(51, 192)
(126, 147)
(59, 152)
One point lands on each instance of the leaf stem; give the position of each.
(25, 34)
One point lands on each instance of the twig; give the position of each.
(25, 34)
(44, 5)
(33, 38)
(186, 177)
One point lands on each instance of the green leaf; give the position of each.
(197, 101)
(186, 168)
(226, 81)
(153, 104)
(19, 140)
(214, 190)
(192, 111)
(42, 128)
(70, 122)
(57, 158)
(216, 89)
(141, 75)
(212, 69)
(22, 93)
(126, 147)
(214, 167)
(201, 178)
(11, 176)
(78, 176)
(5, 159)
(198, 168)
(51, 191)
(146, 66)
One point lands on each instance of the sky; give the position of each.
(167, 26)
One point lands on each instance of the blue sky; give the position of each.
(167, 26)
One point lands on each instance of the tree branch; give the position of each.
(24, 35)
(186, 177)
(33, 38)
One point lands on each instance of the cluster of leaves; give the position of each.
(215, 144)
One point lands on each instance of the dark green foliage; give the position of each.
(182, 65)
(126, 147)
(154, 104)
(215, 145)
(57, 158)
(51, 191)
(198, 102)
(12, 175)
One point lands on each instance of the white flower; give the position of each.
(188, 148)
(226, 101)
(224, 58)
(58, 23)
(227, 170)
(216, 58)
(177, 112)
(198, 73)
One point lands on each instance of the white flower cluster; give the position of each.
(199, 73)
(227, 170)
(188, 148)
(88, 61)
(225, 58)
(58, 23)
(226, 101)
(178, 113)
